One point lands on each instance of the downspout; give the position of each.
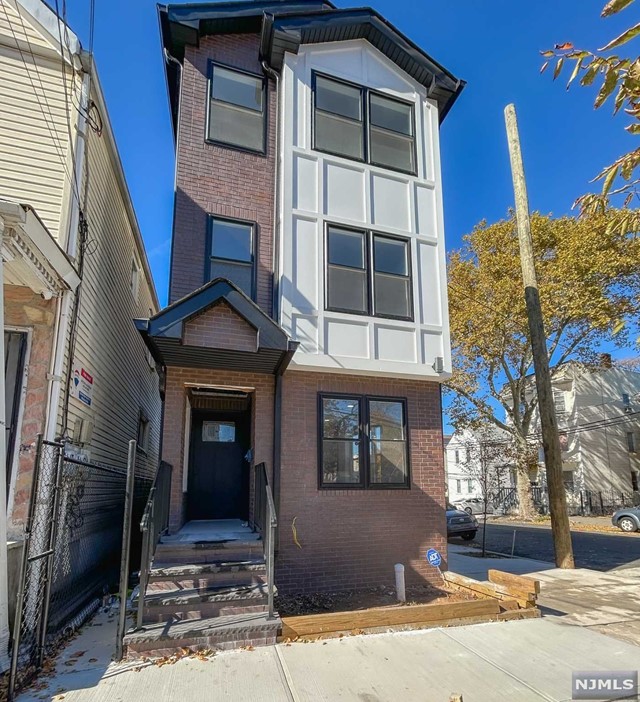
(66, 311)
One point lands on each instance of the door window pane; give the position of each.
(236, 109)
(220, 432)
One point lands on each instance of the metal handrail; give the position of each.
(154, 522)
(266, 520)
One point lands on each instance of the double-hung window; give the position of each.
(363, 442)
(368, 273)
(237, 114)
(364, 125)
(231, 252)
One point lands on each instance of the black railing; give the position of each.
(266, 522)
(155, 521)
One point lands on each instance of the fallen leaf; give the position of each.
(567, 46)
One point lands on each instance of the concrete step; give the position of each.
(199, 575)
(178, 604)
(218, 633)
(176, 553)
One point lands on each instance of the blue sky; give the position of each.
(493, 44)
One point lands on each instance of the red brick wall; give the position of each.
(353, 538)
(25, 309)
(221, 328)
(217, 180)
(262, 388)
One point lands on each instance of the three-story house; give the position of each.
(307, 330)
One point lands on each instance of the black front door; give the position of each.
(218, 485)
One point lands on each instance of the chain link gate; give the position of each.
(71, 553)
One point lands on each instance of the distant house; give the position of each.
(475, 460)
(74, 269)
(598, 411)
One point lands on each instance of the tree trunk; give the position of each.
(526, 508)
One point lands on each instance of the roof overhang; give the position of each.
(164, 333)
(31, 256)
(287, 25)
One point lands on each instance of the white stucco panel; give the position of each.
(304, 290)
(394, 344)
(344, 192)
(305, 180)
(348, 339)
(390, 202)
(429, 284)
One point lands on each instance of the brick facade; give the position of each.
(26, 310)
(216, 180)
(261, 387)
(353, 538)
(220, 327)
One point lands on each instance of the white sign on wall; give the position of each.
(82, 385)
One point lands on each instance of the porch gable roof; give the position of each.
(164, 333)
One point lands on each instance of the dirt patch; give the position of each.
(354, 600)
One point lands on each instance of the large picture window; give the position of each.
(361, 124)
(363, 442)
(351, 274)
(231, 252)
(237, 109)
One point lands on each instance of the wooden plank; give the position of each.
(532, 613)
(385, 616)
(519, 582)
(465, 583)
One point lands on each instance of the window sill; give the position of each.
(235, 147)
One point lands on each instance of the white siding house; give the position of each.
(322, 191)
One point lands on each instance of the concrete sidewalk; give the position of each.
(513, 662)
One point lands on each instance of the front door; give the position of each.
(218, 485)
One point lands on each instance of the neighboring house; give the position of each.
(74, 267)
(598, 413)
(474, 460)
(308, 325)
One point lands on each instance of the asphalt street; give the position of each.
(591, 550)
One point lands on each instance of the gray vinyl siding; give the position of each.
(108, 344)
(33, 128)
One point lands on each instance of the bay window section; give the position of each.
(236, 109)
(341, 441)
(231, 252)
(347, 287)
(338, 123)
(391, 278)
(363, 443)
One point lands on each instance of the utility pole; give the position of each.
(549, 424)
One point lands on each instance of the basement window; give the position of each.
(237, 114)
(363, 442)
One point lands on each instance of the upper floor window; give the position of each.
(237, 109)
(559, 402)
(361, 124)
(135, 278)
(380, 287)
(231, 252)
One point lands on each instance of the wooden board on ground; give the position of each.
(515, 582)
(499, 592)
(315, 624)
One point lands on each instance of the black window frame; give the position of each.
(365, 93)
(364, 439)
(211, 64)
(369, 236)
(210, 258)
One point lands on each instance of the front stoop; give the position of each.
(204, 596)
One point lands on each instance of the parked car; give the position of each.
(473, 505)
(461, 523)
(627, 519)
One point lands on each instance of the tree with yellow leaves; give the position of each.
(589, 281)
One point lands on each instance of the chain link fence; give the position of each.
(71, 556)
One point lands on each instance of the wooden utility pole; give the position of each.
(549, 424)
